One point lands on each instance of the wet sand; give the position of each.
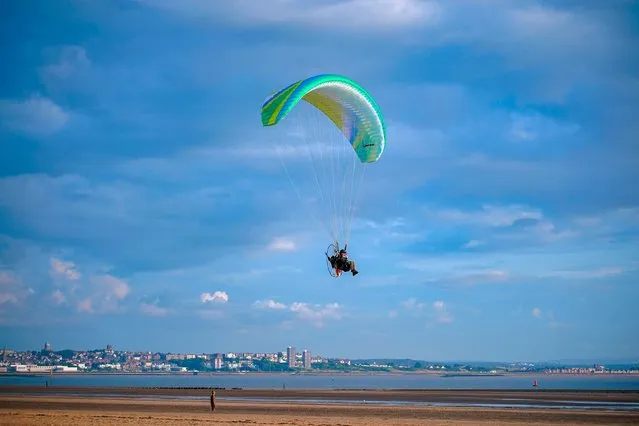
(22, 406)
(35, 410)
(536, 396)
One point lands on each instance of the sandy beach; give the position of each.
(21, 405)
(35, 410)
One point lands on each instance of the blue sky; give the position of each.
(141, 204)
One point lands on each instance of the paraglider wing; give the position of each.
(344, 102)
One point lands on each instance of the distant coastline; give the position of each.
(313, 373)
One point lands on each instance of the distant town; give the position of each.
(109, 360)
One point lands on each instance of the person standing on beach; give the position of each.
(212, 400)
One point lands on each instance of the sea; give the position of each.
(337, 381)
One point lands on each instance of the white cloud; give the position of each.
(547, 32)
(269, 304)
(218, 297)
(154, 310)
(546, 231)
(71, 60)
(438, 310)
(58, 297)
(472, 244)
(527, 224)
(99, 214)
(111, 286)
(388, 225)
(85, 305)
(411, 304)
(282, 244)
(609, 221)
(392, 313)
(488, 215)
(585, 273)
(514, 265)
(441, 313)
(7, 279)
(364, 14)
(105, 293)
(67, 270)
(313, 313)
(317, 314)
(549, 316)
(35, 116)
(12, 289)
(535, 126)
(394, 229)
(6, 297)
(371, 16)
(540, 25)
(459, 270)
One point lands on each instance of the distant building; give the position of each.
(30, 368)
(306, 359)
(6, 353)
(291, 356)
(47, 347)
(218, 361)
(65, 369)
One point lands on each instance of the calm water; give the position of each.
(273, 381)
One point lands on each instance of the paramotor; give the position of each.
(335, 124)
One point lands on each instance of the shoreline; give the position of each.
(406, 395)
(319, 373)
(61, 410)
